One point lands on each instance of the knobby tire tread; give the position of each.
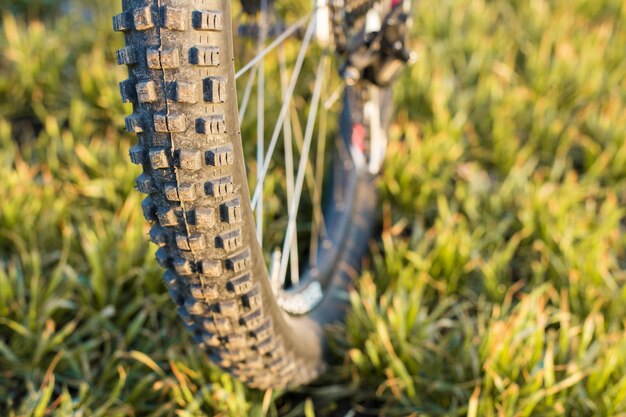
(181, 85)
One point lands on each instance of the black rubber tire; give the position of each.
(179, 55)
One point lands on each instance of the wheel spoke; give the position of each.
(298, 135)
(286, 100)
(277, 285)
(319, 225)
(280, 39)
(304, 156)
(311, 172)
(330, 101)
(288, 150)
(246, 95)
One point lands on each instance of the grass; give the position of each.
(497, 287)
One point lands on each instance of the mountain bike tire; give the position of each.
(181, 84)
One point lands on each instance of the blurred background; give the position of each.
(495, 289)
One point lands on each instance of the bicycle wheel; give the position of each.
(182, 85)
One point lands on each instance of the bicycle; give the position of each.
(263, 326)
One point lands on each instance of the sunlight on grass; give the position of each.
(496, 289)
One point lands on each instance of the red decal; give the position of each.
(358, 137)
